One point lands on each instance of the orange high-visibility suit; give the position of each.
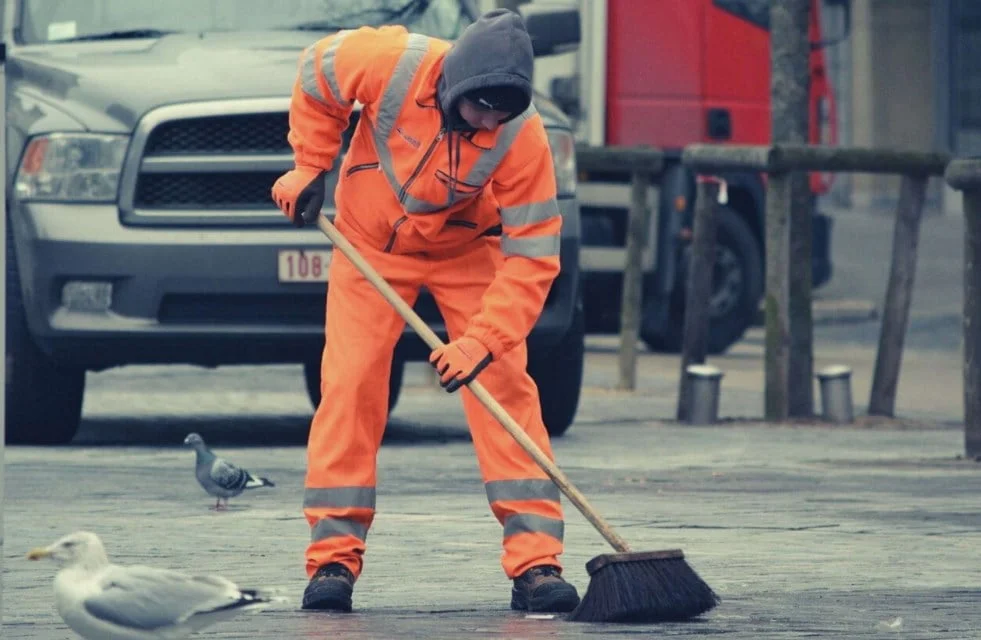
(470, 215)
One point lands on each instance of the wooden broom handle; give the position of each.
(492, 405)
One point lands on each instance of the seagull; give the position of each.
(219, 477)
(98, 599)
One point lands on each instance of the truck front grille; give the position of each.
(219, 157)
(241, 190)
(247, 133)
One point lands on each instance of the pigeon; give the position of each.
(98, 599)
(219, 477)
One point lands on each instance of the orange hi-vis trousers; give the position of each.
(346, 432)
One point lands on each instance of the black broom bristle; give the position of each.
(644, 590)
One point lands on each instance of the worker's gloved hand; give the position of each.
(300, 194)
(459, 362)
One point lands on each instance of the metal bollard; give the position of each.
(703, 393)
(836, 393)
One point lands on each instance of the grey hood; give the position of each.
(494, 51)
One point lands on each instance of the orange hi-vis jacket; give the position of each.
(411, 185)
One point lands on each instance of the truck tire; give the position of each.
(558, 373)
(311, 373)
(737, 288)
(43, 400)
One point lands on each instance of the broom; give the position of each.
(626, 586)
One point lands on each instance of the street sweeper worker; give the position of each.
(449, 184)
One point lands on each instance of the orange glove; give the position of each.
(300, 194)
(459, 362)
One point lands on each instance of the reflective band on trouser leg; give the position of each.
(521, 496)
(347, 428)
(339, 519)
(532, 518)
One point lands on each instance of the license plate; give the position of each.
(304, 265)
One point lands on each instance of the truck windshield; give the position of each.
(43, 21)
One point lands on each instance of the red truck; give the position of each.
(670, 73)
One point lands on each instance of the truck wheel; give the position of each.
(311, 373)
(737, 286)
(558, 372)
(43, 400)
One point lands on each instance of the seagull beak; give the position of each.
(37, 554)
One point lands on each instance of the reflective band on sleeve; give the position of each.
(308, 75)
(529, 213)
(534, 247)
(327, 67)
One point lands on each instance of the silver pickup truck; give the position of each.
(143, 137)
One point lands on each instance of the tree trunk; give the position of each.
(788, 304)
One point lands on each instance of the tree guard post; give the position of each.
(800, 366)
(633, 279)
(699, 288)
(899, 295)
(777, 300)
(965, 175)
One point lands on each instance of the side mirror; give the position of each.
(553, 29)
(840, 14)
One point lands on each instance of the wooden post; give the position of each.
(789, 83)
(899, 294)
(966, 175)
(972, 321)
(633, 278)
(800, 372)
(699, 288)
(777, 296)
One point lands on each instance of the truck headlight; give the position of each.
(563, 146)
(73, 167)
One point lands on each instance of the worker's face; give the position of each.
(480, 118)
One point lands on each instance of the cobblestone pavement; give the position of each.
(804, 531)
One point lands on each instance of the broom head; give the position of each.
(648, 586)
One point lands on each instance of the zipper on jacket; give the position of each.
(461, 223)
(418, 169)
(395, 230)
(362, 167)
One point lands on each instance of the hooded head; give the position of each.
(491, 64)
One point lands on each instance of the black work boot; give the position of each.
(543, 589)
(330, 589)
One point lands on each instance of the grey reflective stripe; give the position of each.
(327, 67)
(308, 75)
(481, 171)
(336, 527)
(361, 497)
(530, 523)
(391, 102)
(529, 213)
(534, 247)
(521, 490)
(415, 205)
